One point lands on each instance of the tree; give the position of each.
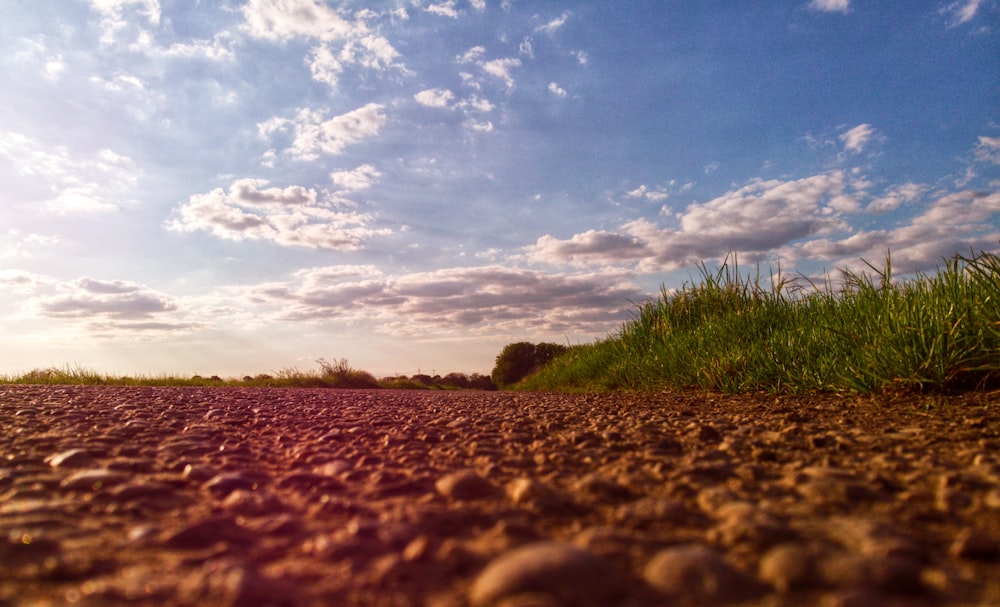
(521, 359)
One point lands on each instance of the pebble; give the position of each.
(73, 458)
(93, 480)
(538, 494)
(789, 566)
(562, 572)
(465, 485)
(700, 574)
(350, 498)
(222, 485)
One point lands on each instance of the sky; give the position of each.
(239, 187)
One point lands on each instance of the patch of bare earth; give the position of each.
(177, 496)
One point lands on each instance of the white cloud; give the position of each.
(325, 66)
(988, 150)
(471, 55)
(21, 282)
(896, 196)
(282, 20)
(291, 216)
(501, 69)
(557, 90)
(964, 11)
(481, 127)
(753, 219)
(54, 68)
(658, 194)
(830, 6)
(372, 52)
(957, 222)
(857, 138)
(440, 98)
(220, 48)
(15, 245)
(76, 182)
(113, 300)
(581, 57)
(443, 9)
(105, 309)
(526, 48)
(552, 26)
(360, 178)
(314, 135)
(113, 18)
(475, 104)
(479, 5)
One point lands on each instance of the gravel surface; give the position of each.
(229, 496)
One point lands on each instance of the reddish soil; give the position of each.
(219, 496)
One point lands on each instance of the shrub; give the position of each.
(521, 359)
(339, 374)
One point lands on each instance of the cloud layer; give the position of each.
(291, 216)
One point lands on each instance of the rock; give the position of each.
(563, 572)
(465, 485)
(699, 574)
(537, 494)
(222, 485)
(197, 472)
(788, 566)
(74, 458)
(93, 480)
(251, 503)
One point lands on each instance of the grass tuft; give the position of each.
(739, 333)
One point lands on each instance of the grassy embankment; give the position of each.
(738, 333)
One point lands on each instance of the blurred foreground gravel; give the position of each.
(229, 496)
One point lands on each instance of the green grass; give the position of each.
(738, 333)
(336, 374)
(286, 378)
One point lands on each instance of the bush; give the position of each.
(339, 374)
(521, 359)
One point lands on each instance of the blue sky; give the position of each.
(239, 187)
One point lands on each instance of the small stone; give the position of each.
(74, 458)
(538, 494)
(196, 472)
(222, 485)
(568, 574)
(465, 485)
(788, 566)
(93, 480)
(251, 503)
(699, 574)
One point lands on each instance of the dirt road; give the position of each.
(185, 496)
